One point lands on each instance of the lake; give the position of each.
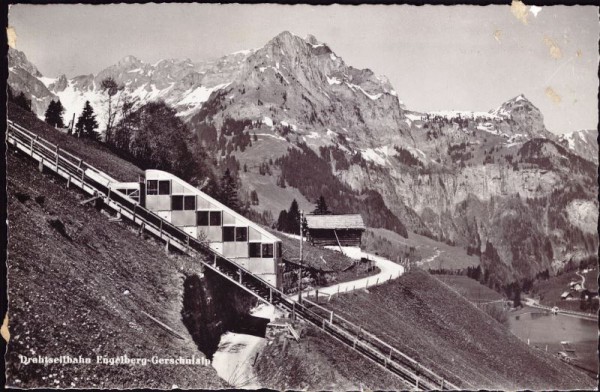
(545, 329)
(541, 327)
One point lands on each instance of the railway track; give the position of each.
(97, 184)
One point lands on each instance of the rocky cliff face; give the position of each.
(305, 85)
(583, 143)
(497, 182)
(23, 76)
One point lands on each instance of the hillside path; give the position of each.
(387, 270)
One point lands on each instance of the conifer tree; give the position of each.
(53, 115)
(294, 218)
(321, 207)
(86, 123)
(229, 191)
(282, 221)
(19, 99)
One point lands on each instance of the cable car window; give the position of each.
(228, 234)
(189, 203)
(177, 203)
(254, 249)
(241, 234)
(267, 251)
(164, 187)
(215, 218)
(152, 187)
(202, 218)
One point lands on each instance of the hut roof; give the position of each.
(348, 221)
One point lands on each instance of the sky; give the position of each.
(437, 57)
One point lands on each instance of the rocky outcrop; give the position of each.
(583, 143)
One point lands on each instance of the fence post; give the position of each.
(331, 317)
(41, 165)
(270, 295)
(57, 152)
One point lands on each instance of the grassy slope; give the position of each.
(66, 295)
(435, 325)
(319, 362)
(469, 288)
(91, 152)
(450, 257)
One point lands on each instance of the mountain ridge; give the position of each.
(433, 170)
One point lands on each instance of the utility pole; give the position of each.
(300, 272)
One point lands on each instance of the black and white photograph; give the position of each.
(334, 197)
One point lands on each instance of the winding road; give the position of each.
(387, 270)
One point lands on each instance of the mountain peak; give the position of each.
(520, 97)
(129, 60)
(311, 39)
(18, 59)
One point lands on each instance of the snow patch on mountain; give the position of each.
(74, 99)
(378, 155)
(333, 80)
(413, 117)
(268, 121)
(355, 87)
(199, 95)
(46, 80)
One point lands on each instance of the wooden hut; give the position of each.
(335, 230)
